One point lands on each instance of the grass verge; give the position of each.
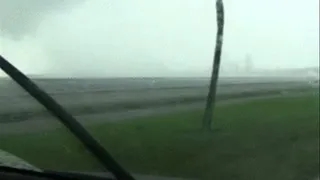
(275, 138)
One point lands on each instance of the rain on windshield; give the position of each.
(140, 77)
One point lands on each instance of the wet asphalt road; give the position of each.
(41, 124)
(15, 102)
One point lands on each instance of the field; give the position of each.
(274, 138)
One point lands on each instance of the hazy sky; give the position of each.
(155, 37)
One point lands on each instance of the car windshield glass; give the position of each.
(206, 89)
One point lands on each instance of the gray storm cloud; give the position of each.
(19, 18)
(157, 38)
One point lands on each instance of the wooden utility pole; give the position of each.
(210, 104)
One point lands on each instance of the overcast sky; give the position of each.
(155, 37)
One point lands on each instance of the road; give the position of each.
(24, 103)
(98, 103)
(50, 123)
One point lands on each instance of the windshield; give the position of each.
(169, 88)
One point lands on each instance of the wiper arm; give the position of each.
(47, 174)
(67, 119)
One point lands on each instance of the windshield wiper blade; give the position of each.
(67, 119)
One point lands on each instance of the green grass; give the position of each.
(275, 138)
